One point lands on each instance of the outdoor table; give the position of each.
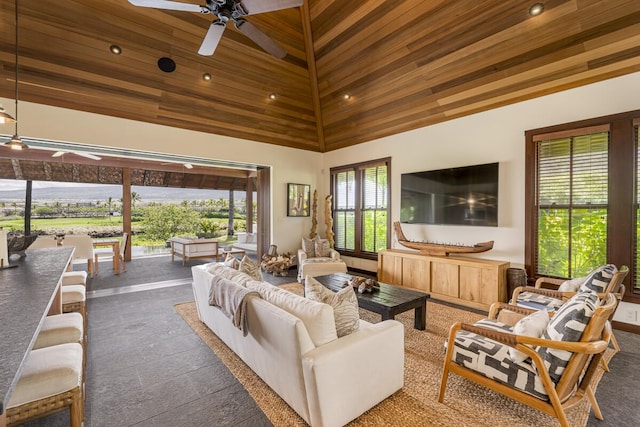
(114, 244)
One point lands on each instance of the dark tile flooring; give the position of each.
(147, 368)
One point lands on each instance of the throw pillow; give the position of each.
(567, 324)
(232, 262)
(317, 317)
(308, 246)
(572, 285)
(251, 268)
(599, 279)
(344, 303)
(532, 325)
(251, 238)
(323, 249)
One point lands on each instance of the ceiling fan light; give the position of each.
(16, 143)
(536, 9)
(6, 117)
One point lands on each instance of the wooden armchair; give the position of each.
(480, 353)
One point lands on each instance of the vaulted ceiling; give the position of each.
(405, 64)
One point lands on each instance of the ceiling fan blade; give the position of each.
(77, 153)
(212, 38)
(260, 38)
(170, 5)
(254, 7)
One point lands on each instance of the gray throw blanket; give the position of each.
(232, 299)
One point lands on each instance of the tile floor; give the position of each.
(147, 368)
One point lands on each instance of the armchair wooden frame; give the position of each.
(572, 386)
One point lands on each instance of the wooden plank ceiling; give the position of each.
(405, 64)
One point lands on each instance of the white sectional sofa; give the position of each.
(328, 381)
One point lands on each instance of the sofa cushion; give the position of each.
(251, 268)
(231, 261)
(317, 317)
(567, 324)
(599, 279)
(532, 325)
(344, 303)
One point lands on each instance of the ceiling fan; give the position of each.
(77, 153)
(225, 11)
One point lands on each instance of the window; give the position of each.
(360, 195)
(572, 198)
(582, 198)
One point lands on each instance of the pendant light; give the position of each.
(16, 143)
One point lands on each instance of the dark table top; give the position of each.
(26, 294)
(387, 295)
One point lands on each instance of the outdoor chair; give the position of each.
(83, 248)
(553, 372)
(109, 252)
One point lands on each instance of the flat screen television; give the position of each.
(456, 196)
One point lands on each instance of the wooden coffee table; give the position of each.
(388, 301)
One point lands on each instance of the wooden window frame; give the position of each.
(622, 167)
(358, 168)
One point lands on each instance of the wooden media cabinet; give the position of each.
(472, 282)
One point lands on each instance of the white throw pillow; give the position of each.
(532, 325)
(323, 248)
(308, 246)
(251, 268)
(344, 303)
(317, 317)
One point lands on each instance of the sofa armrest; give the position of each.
(350, 375)
(302, 255)
(335, 254)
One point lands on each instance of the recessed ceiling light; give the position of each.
(536, 9)
(346, 96)
(115, 49)
(272, 96)
(206, 77)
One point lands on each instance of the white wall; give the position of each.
(492, 136)
(288, 165)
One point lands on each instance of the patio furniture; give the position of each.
(559, 365)
(192, 248)
(114, 249)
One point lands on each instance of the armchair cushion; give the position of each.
(492, 360)
(309, 246)
(598, 280)
(538, 301)
(567, 324)
(532, 325)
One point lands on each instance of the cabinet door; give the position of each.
(390, 269)
(444, 279)
(415, 274)
(478, 285)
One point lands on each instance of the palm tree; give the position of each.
(230, 224)
(135, 197)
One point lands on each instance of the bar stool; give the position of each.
(74, 299)
(51, 380)
(74, 278)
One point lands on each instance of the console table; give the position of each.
(28, 293)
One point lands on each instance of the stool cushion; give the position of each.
(48, 371)
(60, 329)
(73, 293)
(74, 278)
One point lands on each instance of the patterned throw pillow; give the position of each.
(323, 249)
(344, 303)
(532, 325)
(308, 246)
(231, 261)
(251, 268)
(599, 279)
(567, 324)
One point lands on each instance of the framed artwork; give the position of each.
(298, 196)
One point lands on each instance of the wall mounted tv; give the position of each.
(455, 196)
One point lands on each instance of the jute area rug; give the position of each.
(465, 403)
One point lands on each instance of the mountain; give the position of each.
(103, 192)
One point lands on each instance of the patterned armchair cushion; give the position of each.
(598, 280)
(567, 324)
(491, 359)
(539, 302)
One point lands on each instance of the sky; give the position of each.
(13, 184)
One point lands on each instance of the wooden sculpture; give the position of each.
(314, 215)
(440, 249)
(329, 220)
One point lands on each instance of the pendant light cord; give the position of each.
(17, 67)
